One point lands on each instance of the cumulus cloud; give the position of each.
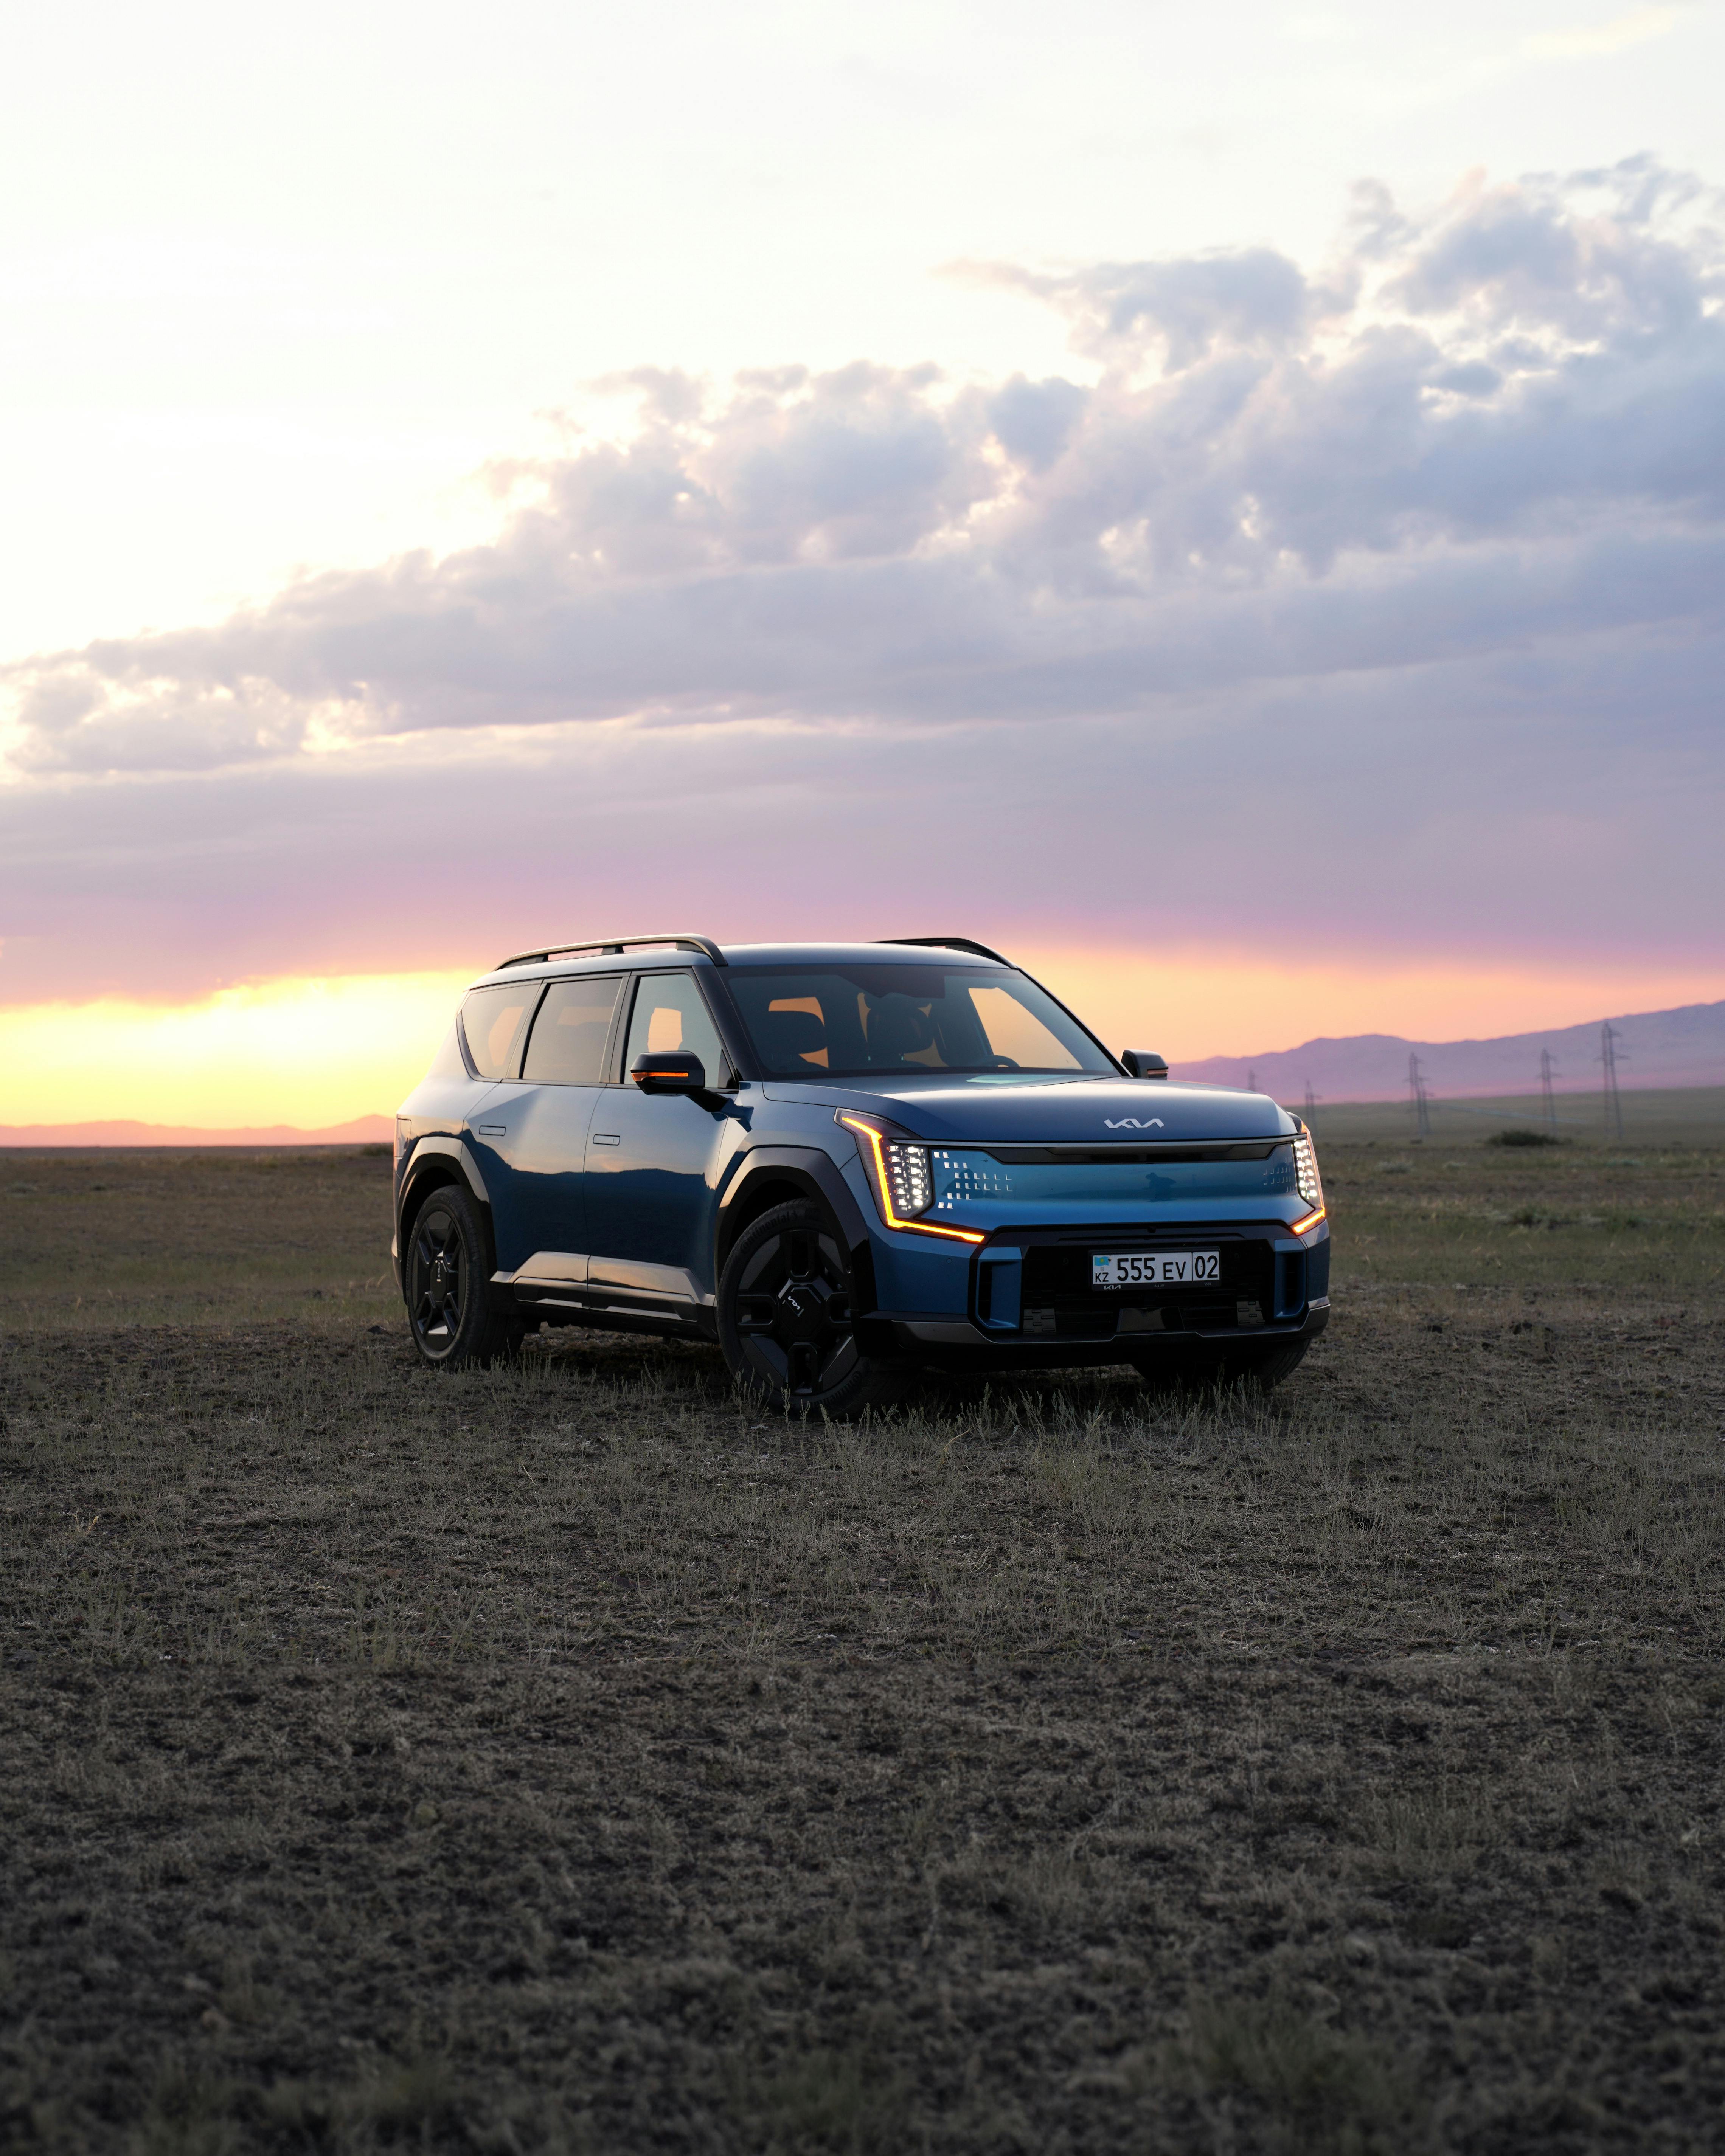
(1499, 421)
(1385, 600)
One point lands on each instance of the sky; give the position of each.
(1227, 505)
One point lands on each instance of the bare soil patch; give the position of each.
(559, 1757)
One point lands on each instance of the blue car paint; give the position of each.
(635, 1184)
(530, 1144)
(655, 1168)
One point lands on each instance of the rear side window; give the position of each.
(669, 1014)
(492, 1021)
(569, 1035)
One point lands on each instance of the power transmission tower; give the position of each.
(1548, 1071)
(1251, 1080)
(1311, 1100)
(1418, 1099)
(1609, 1038)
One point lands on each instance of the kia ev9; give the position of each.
(840, 1162)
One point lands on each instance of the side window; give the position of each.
(567, 1046)
(492, 1019)
(669, 1014)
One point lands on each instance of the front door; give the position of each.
(653, 1159)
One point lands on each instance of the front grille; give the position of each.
(1056, 1280)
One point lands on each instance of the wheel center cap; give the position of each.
(803, 1313)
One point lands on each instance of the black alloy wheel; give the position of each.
(448, 1285)
(786, 1320)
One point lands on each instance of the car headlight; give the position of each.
(900, 1175)
(1307, 1182)
(907, 1176)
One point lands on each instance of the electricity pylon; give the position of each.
(1548, 1071)
(1418, 1099)
(1609, 1038)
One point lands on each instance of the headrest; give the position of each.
(896, 1027)
(786, 1035)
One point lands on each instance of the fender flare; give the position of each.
(451, 1148)
(814, 1170)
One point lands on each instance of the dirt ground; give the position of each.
(559, 1757)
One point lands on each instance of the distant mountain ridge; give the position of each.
(1682, 1047)
(363, 1130)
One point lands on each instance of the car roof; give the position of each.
(666, 957)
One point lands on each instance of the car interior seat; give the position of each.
(897, 1029)
(791, 1037)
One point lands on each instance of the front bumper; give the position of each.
(1025, 1296)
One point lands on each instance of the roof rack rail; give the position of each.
(615, 945)
(948, 943)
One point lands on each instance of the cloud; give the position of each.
(1270, 472)
(1636, 27)
(1426, 549)
(1255, 299)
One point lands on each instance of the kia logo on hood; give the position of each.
(1131, 1123)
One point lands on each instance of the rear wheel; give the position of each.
(448, 1286)
(787, 1319)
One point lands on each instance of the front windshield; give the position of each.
(839, 1021)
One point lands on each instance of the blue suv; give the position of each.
(841, 1162)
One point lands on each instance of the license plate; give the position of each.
(1155, 1268)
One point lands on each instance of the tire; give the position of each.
(447, 1284)
(1261, 1369)
(786, 1320)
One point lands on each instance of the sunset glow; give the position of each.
(307, 1052)
(1228, 1002)
(1256, 558)
(312, 1054)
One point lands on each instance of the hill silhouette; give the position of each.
(1682, 1047)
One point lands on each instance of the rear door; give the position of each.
(494, 1023)
(535, 1130)
(654, 1160)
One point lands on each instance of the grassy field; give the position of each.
(560, 1758)
(1661, 1116)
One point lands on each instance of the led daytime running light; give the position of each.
(1311, 1220)
(1306, 1180)
(898, 1182)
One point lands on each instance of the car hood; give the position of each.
(1001, 1110)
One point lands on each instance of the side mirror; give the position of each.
(669, 1073)
(1144, 1063)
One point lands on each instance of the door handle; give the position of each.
(494, 1130)
(608, 1137)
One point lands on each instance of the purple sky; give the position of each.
(1372, 607)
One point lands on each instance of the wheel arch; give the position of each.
(434, 1163)
(779, 1175)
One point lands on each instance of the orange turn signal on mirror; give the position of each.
(875, 1157)
(1311, 1220)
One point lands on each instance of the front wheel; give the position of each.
(787, 1319)
(448, 1286)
